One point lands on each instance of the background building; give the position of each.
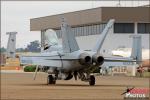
(88, 24)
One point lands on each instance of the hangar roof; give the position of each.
(92, 16)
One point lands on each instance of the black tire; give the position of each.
(51, 79)
(92, 80)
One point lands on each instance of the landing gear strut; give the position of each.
(92, 80)
(51, 79)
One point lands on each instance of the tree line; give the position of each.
(33, 46)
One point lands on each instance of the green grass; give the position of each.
(146, 74)
(30, 68)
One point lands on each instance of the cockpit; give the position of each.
(51, 42)
(50, 38)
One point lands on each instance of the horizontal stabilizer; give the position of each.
(53, 61)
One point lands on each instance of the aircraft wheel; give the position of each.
(51, 79)
(92, 80)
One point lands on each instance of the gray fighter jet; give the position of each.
(63, 62)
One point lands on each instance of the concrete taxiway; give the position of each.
(19, 85)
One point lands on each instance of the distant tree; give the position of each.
(2, 50)
(34, 46)
(20, 50)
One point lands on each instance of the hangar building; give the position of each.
(88, 24)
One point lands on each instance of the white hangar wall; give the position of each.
(112, 41)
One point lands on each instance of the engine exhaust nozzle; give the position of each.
(85, 58)
(98, 59)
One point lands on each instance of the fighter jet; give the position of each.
(63, 62)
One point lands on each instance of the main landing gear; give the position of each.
(51, 79)
(92, 80)
(87, 77)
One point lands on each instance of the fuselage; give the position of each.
(66, 61)
(69, 61)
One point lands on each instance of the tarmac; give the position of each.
(21, 86)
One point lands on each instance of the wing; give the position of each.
(43, 60)
(119, 59)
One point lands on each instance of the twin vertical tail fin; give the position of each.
(103, 36)
(69, 42)
(136, 52)
(11, 45)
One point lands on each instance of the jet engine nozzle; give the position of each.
(97, 59)
(85, 58)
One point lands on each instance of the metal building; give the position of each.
(88, 24)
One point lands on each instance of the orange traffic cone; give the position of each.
(17, 68)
